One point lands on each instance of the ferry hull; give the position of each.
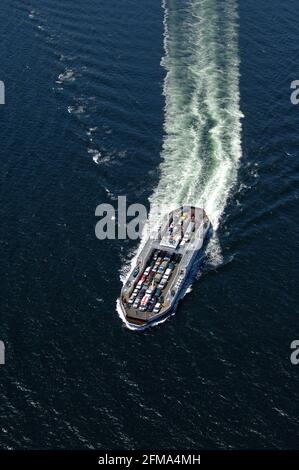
(165, 268)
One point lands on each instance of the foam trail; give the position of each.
(202, 145)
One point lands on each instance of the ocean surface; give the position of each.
(165, 103)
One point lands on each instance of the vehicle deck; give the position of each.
(136, 314)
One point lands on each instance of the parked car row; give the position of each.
(147, 294)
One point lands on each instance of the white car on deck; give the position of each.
(157, 308)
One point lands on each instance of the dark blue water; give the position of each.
(84, 123)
